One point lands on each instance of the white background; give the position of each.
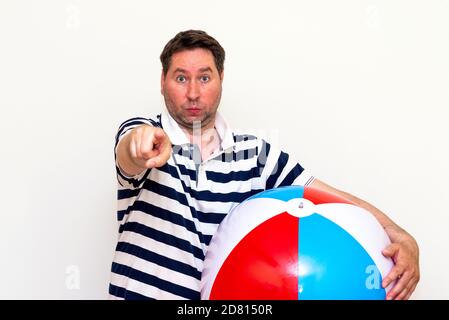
(357, 91)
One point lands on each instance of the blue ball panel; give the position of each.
(333, 265)
(282, 193)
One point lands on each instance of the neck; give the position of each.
(207, 139)
(200, 135)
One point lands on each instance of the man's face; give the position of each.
(192, 88)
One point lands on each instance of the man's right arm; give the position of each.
(142, 148)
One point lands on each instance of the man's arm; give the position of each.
(403, 249)
(142, 148)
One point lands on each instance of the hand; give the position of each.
(405, 254)
(149, 147)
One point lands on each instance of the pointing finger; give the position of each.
(158, 136)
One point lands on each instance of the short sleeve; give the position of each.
(278, 169)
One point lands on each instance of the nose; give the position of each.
(193, 90)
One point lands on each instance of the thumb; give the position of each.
(391, 250)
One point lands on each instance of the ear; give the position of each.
(162, 82)
(222, 76)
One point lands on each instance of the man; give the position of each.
(180, 174)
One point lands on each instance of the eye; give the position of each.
(181, 78)
(204, 78)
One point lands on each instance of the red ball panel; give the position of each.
(263, 265)
(318, 197)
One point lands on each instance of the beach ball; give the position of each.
(296, 243)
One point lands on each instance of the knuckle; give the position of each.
(134, 132)
(395, 272)
(401, 266)
(415, 279)
(143, 129)
(399, 286)
(138, 130)
(145, 154)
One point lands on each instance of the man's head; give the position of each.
(191, 80)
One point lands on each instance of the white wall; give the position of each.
(358, 91)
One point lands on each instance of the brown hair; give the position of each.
(192, 39)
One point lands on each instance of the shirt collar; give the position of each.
(178, 137)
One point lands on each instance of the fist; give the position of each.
(149, 147)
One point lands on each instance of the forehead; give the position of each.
(192, 60)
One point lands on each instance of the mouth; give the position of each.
(193, 110)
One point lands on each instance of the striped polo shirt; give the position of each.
(167, 215)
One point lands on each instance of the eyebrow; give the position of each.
(205, 69)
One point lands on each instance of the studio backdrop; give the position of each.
(356, 91)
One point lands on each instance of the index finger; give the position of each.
(164, 154)
(158, 136)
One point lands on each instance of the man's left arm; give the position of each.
(403, 248)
